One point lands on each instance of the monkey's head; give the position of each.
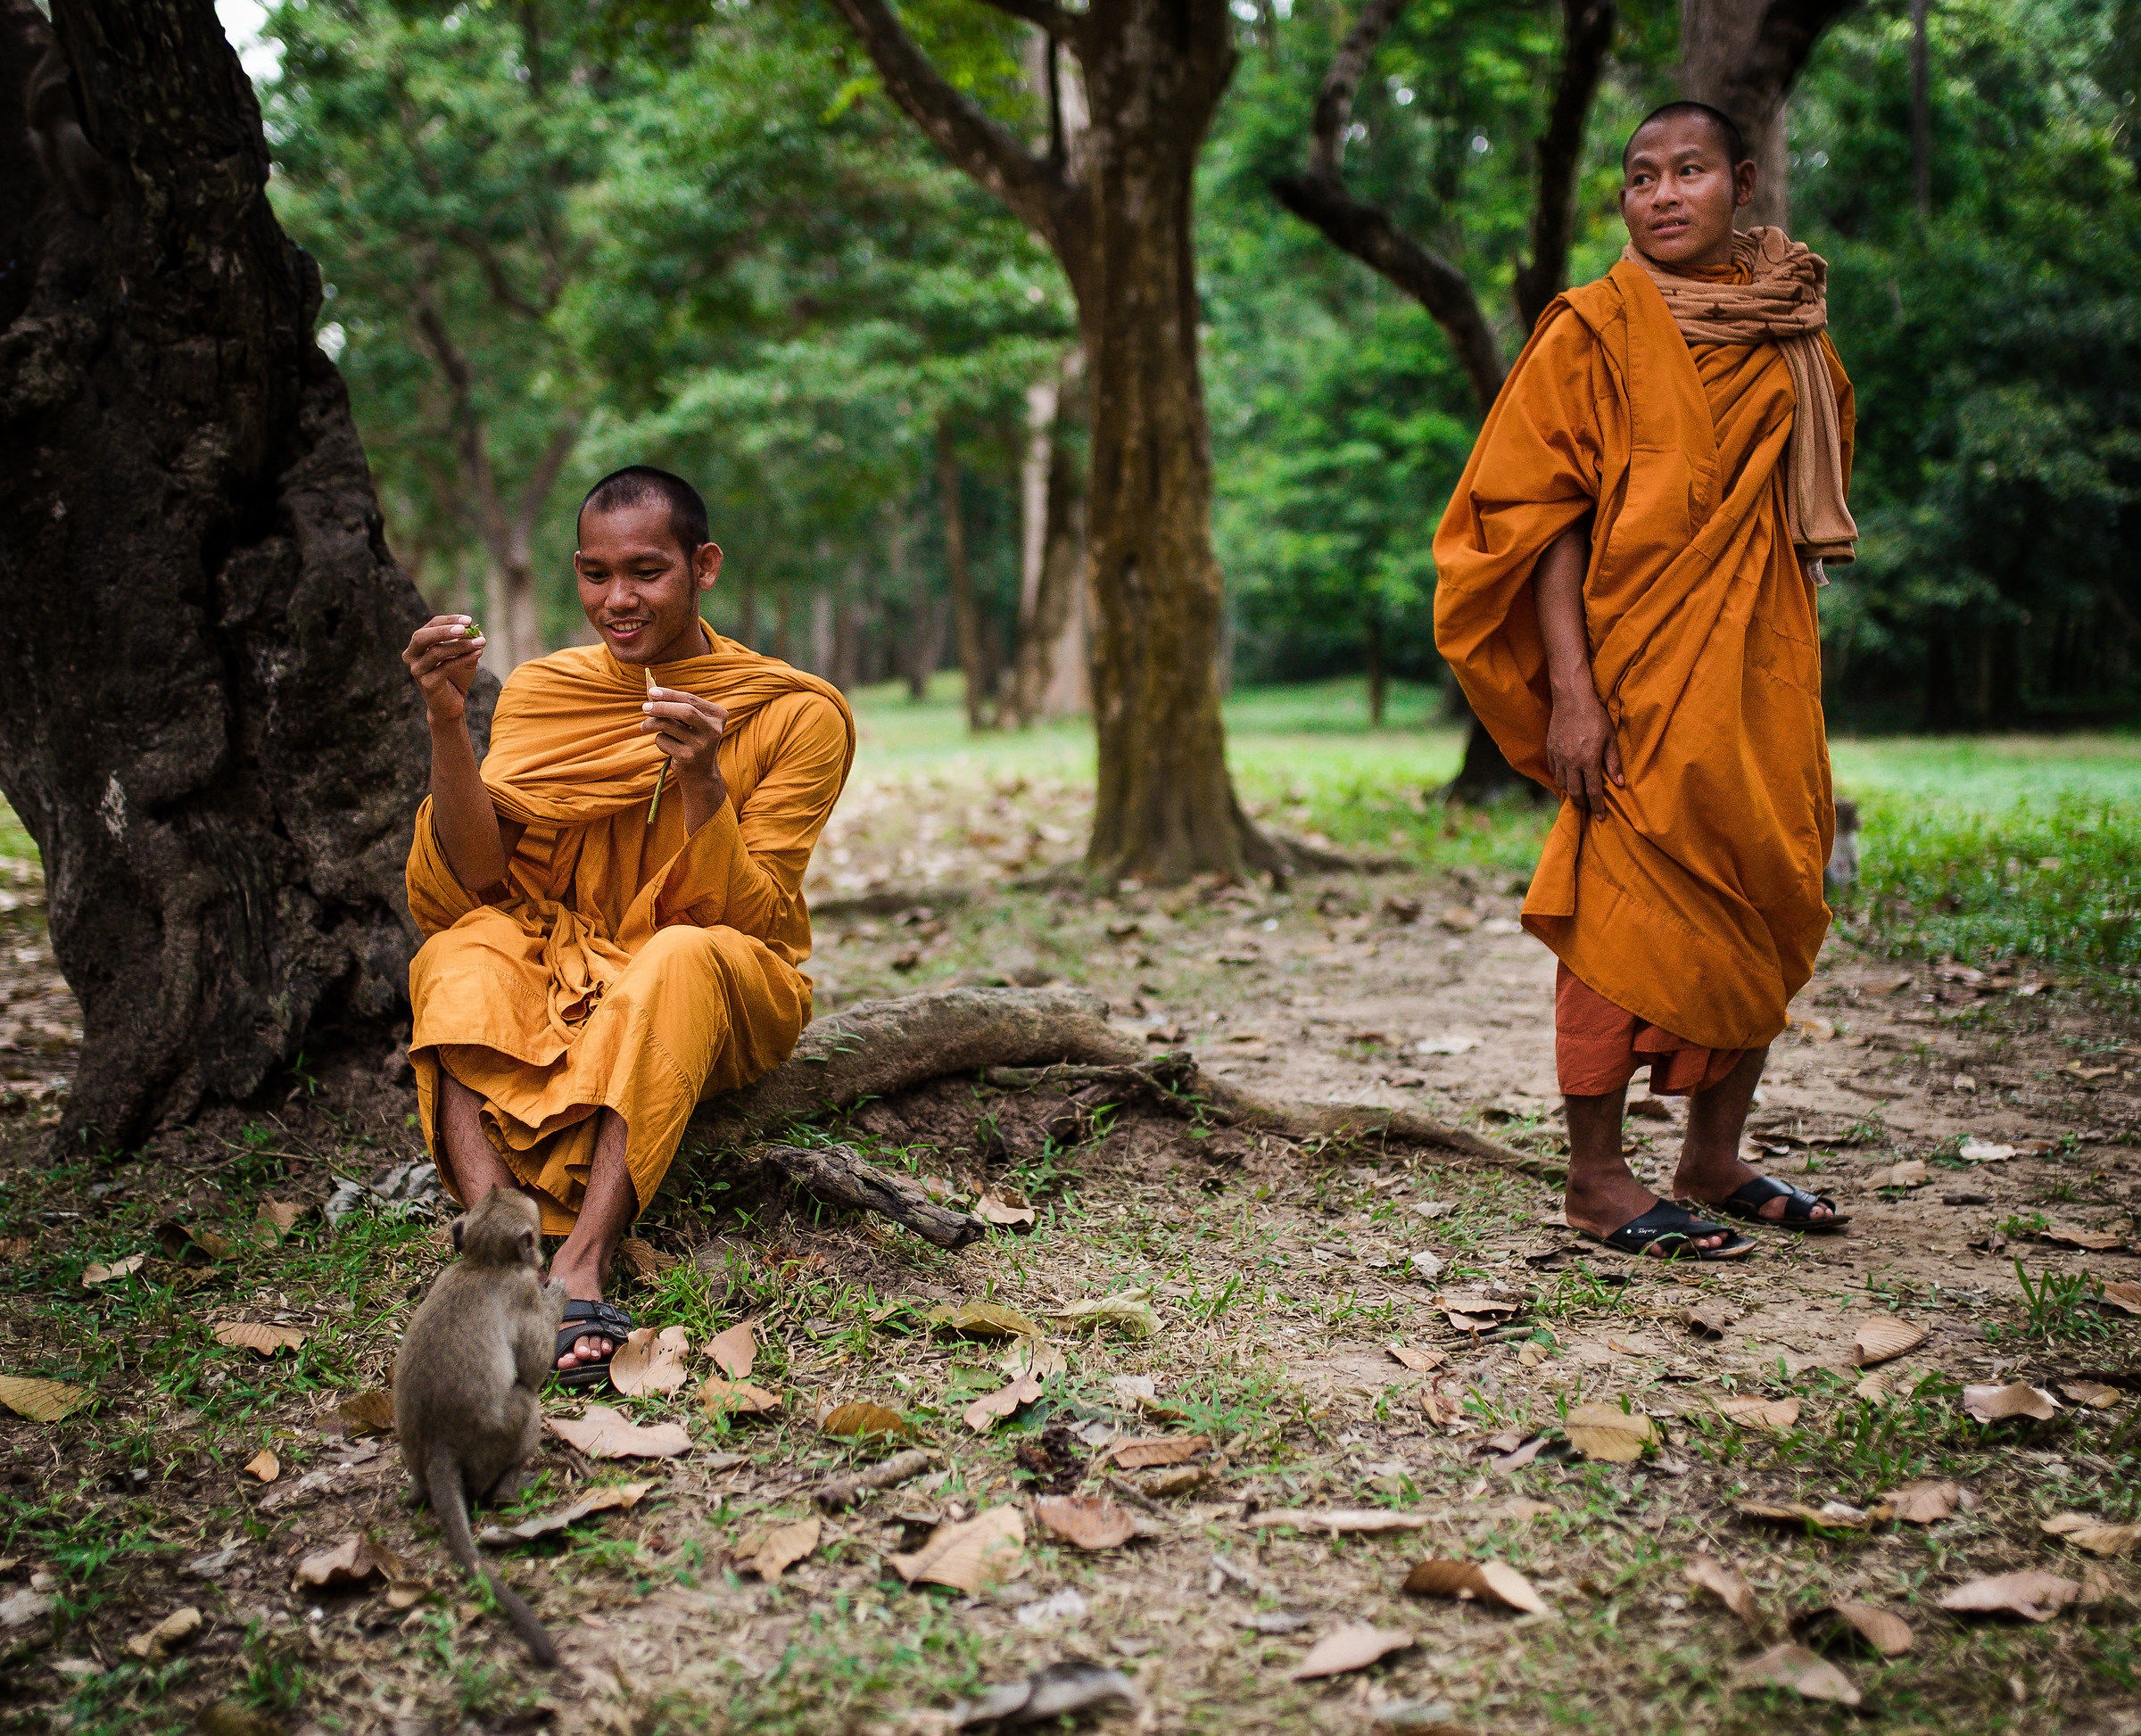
(505, 1230)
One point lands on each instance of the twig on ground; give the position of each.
(839, 1492)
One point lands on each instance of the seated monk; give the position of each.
(1625, 590)
(613, 904)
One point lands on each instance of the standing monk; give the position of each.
(1625, 590)
(612, 903)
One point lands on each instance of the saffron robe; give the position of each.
(1693, 900)
(625, 966)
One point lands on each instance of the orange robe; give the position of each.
(625, 966)
(1693, 901)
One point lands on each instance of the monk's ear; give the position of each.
(1743, 182)
(705, 565)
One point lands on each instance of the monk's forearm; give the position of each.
(1557, 592)
(702, 798)
(461, 814)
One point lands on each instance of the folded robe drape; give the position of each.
(1693, 900)
(624, 967)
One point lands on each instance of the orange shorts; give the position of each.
(1597, 1048)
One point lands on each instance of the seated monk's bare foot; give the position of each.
(582, 1285)
(1712, 1180)
(1603, 1206)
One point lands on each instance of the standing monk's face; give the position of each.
(1679, 192)
(638, 588)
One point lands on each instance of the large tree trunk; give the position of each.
(1744, 56)
(207, 726)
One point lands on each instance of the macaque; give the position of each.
(1841, 874)
(466, 1382)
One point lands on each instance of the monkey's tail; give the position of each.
(450, 1507)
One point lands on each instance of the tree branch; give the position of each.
(1064, 27)
(1752, 91)
(1349, 66)
(1030, 185)
(1587, 39)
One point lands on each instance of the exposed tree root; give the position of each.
(1016, 1039)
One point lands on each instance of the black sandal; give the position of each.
(1669, 1232)
(1745, 1205)
(589, 1319)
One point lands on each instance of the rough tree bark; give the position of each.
(1115, 205)
(205, 721)
(1744, 56)
(1049, 679)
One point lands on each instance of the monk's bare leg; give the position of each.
(606, 1213)
(1711, 1168)
(472, 1164)
(1602, 1194)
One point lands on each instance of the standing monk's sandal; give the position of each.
(1745, 1205)
(1671, 1232)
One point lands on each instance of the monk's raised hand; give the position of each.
(1581, 755)
(689, 729)
(443, 657)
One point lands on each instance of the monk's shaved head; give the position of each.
(641, 485)
(1727, 130)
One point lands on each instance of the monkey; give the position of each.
(1842, 871)
(466, 1380)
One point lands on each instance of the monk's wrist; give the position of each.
(1572, 690)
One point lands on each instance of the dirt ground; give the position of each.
(1978, 1125)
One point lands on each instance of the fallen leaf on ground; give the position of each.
(41, 1400)
(1607, 1432)
(733, 1398)
(169, 1634)
(1002, 1214)
(265, 1466)
(1999, 1404)
(2080, 1236)
(985, 1413)
(735, 1349)
(1484, 1581)
(1777, 1416)
(178, 1240)
(1420, 1361)
(642, 1259)
(2099, 1536)
(1127, 1311)
(367, 1413)
(1928, 1502)
(1518, 1456)
(982, 1320)
(862, 1419)
(1880, 1629)
(609, 1496)
(1984, 1151)
(1806, 1674)
(1882, 1338)
(2117, 1293)
(1090, 1522)
(1072, 1685)
(606, 1433)
(1832, 1516)
(650, 1362)
(2093, 1393)
(1873, 1389)
(1037, 1357)
(257, 1336)
(96, 1273)
(1451, 1044)
(1711, 1320)
(2033, 1595)
(1910, 1173)
(352, 1562)
(1470, 1311)
(770, 1551)
(1339, 1518)
(1141, 1452)
(277, 1219)
(966, 1557)
(1351, 1647)
(1728, 1586)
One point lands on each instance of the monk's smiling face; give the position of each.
(1678, 189)
(638, 586)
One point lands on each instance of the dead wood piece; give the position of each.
(889, 901)
(1166, 1073)
(839, 1173)
(1238, 1106)
(838, 1491)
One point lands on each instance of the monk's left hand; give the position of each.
(689, 729)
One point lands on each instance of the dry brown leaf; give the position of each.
(2097, 1536)
(611, 1495)
(367, 1413)
(862, 1419)
(41, 1400)
(1729, 1588)
(277, 1219)
(1711, 1320)
(1607, 1432)
(642, 1259)
(1443, 1411)
(257, 1336)
(264, 1465)
(1471, 1311)
(1806, 1674)
(352, 1562)
(1832, 1515)
(1090, 1522)
(2093, 1393)
(2121, 1294)
(1873, 1389)
(1881, 1630)
(1882, 1338)
(2081, 1235)
(1003, 1213)
(1999, 1404)
(1927, 1501)
(1128, 1311)
(1140, 1452)
(1339, 1518)
(982, 1320)
(1776, 1415)
(1484, 1581)
(771, 1551)
(736, 1350)
(650, 1362)
(2033, 1595)
(1910, 1173)
(1042, 1359)
(735, 1398)
(1353, 1647)
(169, 1634)
(985, 1413)
(606, 1433)
(96, 1273)
(1420, 1361)
(967, 1557)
